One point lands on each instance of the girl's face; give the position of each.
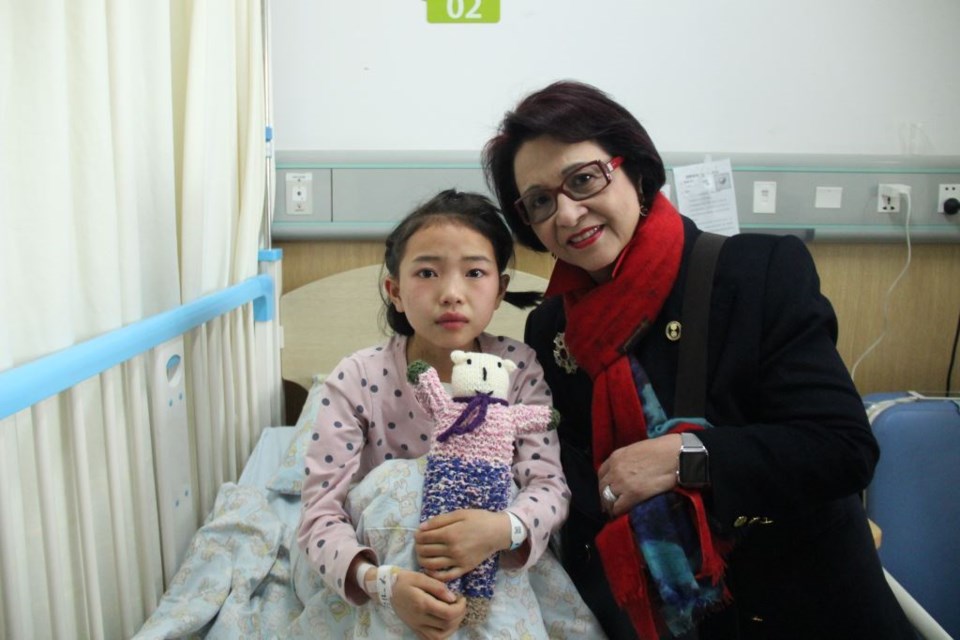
(589, 234)
(448, 286)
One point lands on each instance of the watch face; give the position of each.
(693, 471)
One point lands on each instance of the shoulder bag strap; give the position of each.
(691, 392)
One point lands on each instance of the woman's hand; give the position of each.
(451, 544)
(638, 472)
(425, 605)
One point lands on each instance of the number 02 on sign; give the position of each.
(463, 11)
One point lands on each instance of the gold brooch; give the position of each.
(673, 331)
(561, 354)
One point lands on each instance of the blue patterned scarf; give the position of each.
(669, 544)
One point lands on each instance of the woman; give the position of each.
(767, 537)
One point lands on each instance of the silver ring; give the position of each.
(609, 495)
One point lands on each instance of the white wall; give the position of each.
(877, 77)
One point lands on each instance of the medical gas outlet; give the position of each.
(299, 191)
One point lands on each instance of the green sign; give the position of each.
(463, 11)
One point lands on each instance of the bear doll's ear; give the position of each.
(509, 365)
(458, 356)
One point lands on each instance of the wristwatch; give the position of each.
(693, 467)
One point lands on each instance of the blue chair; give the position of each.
(913, 498)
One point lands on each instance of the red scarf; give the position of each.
(604, 323)
(603, 319)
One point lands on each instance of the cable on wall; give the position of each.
(905, 194)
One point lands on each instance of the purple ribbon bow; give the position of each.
(477, 408)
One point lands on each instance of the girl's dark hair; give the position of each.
(471, 210)
(570, 112)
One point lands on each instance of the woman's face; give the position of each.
(589, 234)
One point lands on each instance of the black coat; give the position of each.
(790, 451)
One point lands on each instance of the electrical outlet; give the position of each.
(947, 192)
(888, 199)
(764, 197)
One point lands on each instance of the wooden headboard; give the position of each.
(327, 319)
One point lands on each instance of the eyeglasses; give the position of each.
(584, 182)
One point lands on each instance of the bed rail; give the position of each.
(26, 385)
(111, 453)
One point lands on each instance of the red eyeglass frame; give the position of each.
(607, 168)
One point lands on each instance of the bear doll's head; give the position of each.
(480, 373)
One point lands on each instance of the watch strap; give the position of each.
(689, 439)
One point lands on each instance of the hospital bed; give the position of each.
(195, 533)
(250, 536)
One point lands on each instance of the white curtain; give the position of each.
(219, 60)
(88, 225)
(115, 115)
(132, 176)
(219, 89)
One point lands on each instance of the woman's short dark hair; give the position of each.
(473, 211)
(570, 112)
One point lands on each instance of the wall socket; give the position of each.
(946, 192)
(888, 198)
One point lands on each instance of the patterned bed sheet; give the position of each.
(243, 578)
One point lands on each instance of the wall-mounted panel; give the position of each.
(837, 198)
(369, 192)
(821, 198)
(388, 194)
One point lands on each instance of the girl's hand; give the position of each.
(426, 606)
(638, 472)
(451, 544)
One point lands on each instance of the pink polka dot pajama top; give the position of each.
(369, 415)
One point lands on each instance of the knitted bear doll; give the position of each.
(472, 449)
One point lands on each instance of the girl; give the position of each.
(445, 268)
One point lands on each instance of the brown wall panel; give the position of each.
(914, 353)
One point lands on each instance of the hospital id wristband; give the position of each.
(368, 586)
(386, 578)
(518, 532)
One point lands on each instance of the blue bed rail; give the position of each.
(24, 386)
